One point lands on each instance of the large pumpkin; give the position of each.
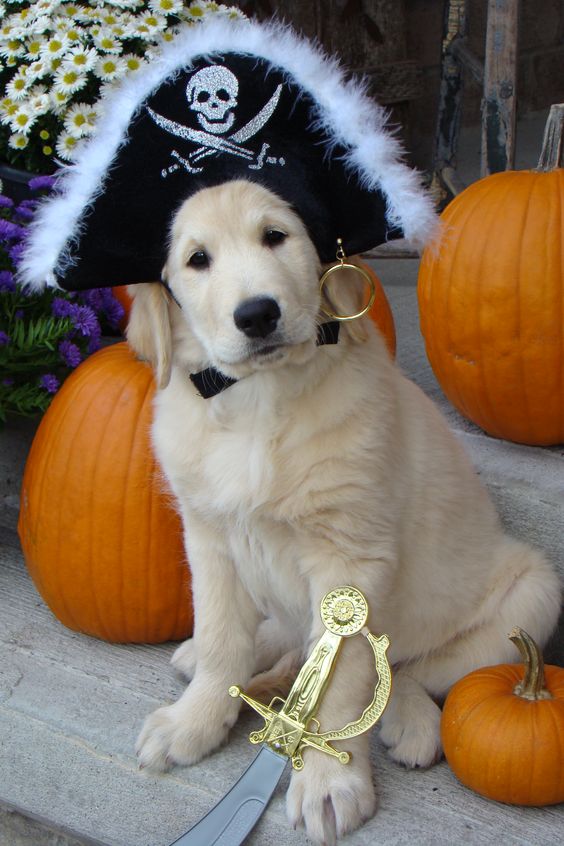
(503, 729)
(100, 537)
(491, 301)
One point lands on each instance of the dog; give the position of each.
(319, 467)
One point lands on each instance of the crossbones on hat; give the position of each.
(225, 100)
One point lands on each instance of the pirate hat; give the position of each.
(225, 100)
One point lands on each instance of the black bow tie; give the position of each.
(210, 382)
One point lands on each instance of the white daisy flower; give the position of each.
(22, 120)
(55, 47)
(165, 7)
(39, 101)
(108, 68)
(45, 7)
(11, 49)
(156, 23)
(17, 88)
(6, 30)
(67, 146)
(18, 141)
(105, 40)
(59, 101)
(79, 120)
(132, 62)
(7, 108)
(69, 10)
(124, 4)
(69, 80)
(33, 48)
(36, 70)
(42, 25)
(80, 58)
(2, 11)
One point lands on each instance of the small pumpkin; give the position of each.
(503, 732)
(100, 537)
(490, 299)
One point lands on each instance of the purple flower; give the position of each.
(4, 339)
(7, 282)
(6, 202)
(114, 312)
(70, 353)
(84, 320)
(93, 298)
(24, 213)
(16, 252)
(94, 344)
(61, 307)
(19, 314)
(42, 183)
(8, 382)
(50, 383)
(10, 231)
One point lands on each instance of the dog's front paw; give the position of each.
(184, 659)
(330, 799)
(180, 734)
(411, 729)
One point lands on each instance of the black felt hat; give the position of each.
(225, 100)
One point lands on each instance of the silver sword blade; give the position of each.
(231, 820)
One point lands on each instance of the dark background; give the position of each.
(398, 44)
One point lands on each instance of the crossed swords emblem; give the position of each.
(212, 145)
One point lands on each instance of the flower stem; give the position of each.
(533, 684)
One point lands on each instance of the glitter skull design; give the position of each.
(212, 94)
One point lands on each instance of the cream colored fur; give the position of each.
(320, 467)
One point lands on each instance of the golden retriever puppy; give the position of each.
(320, 466)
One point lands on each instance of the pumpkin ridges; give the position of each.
(99, 578)
(70, 460)
(488, 413)
(499, 738)
(463, 388)
(100, 379)
(127, 475)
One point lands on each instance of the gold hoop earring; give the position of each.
(344, 265)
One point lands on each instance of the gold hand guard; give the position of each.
(344, 612)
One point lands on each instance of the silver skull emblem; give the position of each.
(212, 93)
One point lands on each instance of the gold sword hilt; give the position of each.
(287, 730)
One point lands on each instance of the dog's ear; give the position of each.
(149, 330)
(346, 292)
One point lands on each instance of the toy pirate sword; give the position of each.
(292, 727)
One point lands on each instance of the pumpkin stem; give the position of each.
(552, 153)
(533, 685)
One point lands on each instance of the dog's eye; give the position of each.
(199, 259)
(273, 237)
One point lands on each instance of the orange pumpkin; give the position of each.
(503, 734)
(100, 537)
(490, 301)
(381, 313)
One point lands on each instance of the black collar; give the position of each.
(210, 382)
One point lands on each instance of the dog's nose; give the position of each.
(257, 317)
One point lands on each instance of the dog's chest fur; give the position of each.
(258, 467)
